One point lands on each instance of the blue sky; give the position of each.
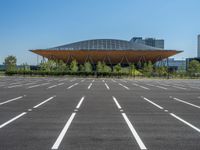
(33, 24)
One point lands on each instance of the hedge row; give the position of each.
(55, 73)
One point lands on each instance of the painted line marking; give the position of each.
(178, 87)
(185, 122)
(150, 85)
(107, 86)
(83, 80)
(103, 80)
(72, 86)
(93, 80)
(14, 99)
(55, 85)
(124, 86)
(152, 102)
(90, 86)
(37, 85)
(11, 120)
(135, 134)
(143, 87)
(14, 86)
(36, 106)
(116, 102)
(63, 132)
(186, 102)
(80, 102)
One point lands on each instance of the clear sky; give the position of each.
(34, 24)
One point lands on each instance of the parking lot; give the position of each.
(99, 114)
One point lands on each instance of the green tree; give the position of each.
(87, 67)
(194, 67)
(161, 71)
(105, 68)
(74, 66)
(102, 67)
(10, 63)
(148, 69)
(61, 66)
(99, 67)
(132, 69)
(117, 68)
(50, 65)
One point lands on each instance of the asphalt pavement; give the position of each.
(65, 113)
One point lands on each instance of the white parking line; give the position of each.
(107, 86)
(14, 99)
(186, 102)
(135, 134)
(116, 102)
(90, 86)
(152, 102)
(80, 102)
(143, 87)
(124, 86)
(14, 86)
(66, 127)
(36, 106)
(55, 85)
(11, 120)
(178, 87)
(37, 85)
(72, 86)
(185, 122)
(63, 132)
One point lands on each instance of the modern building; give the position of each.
(198, 46)
(110, 51)
(158, 43)
(173, 64)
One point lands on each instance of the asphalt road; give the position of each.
(99, 114)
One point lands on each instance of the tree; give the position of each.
(132, 69)
(99, 67)
(148, 69)
(74, 66)
(194, 67)
(161, 71)
(102, 67)
(117, 68)
(50, 65)
(87, 67)
(61, 66)
(10, 63)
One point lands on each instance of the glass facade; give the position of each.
(104, 44)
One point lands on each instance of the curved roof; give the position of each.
(104, 44)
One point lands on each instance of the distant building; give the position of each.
(158, 43)
(175, 65)
(198, 46)
(109, 51)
